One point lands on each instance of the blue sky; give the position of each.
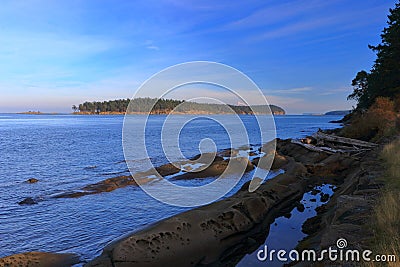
(302, 54)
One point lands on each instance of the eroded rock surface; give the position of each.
(39, 259)
(347, 215)
(221, 233)
(210, 234)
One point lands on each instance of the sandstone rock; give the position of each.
(39, 259)
(107, 185)
(214, 234)
(217, 168)
(278, 161)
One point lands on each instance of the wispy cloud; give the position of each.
(346, 20)
(340, 90)
(153, 47)
(274, 14)
(299, 90)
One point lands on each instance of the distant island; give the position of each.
(38, 113)
(166, 106)
(338, 112)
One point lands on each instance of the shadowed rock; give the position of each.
(28, 201)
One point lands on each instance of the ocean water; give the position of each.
(67, 152)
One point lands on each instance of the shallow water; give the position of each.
(66, 152)
(285, 233)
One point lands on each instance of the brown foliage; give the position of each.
(379, 121)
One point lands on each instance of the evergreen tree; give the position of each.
(384, 78)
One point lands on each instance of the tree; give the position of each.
(74, 108)
(360, 85)
(384, 78)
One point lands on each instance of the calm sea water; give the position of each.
(67, 152)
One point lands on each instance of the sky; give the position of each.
(301, 54)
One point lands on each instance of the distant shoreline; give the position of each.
(139, 113)
(167, 113)
(39, 113)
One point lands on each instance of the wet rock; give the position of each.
(324, 197)
(28, 201)
(107, 185)
(167, 169)
(39, 259)
(315, 191)
(32, 180)
(287, 215)
(217, 168)
(300, 207)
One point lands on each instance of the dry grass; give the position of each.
(391, 156)
(378, 122)
(386, 213)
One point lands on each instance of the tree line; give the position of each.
(383, 80)
(377, 92)
(165, 106)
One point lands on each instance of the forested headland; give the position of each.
(166, 106)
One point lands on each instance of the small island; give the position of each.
(338, 112)
(165, 106)
(38, 113)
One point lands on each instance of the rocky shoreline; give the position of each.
(221, 233)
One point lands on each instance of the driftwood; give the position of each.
(332, 144)
(315, 148)
(320, 136)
